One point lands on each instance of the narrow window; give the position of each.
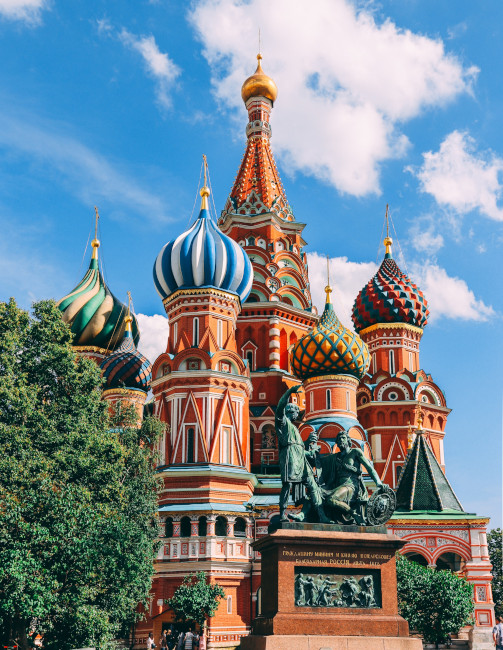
(229, 604)
(202, 526)
(168, 531)
(411, 362)
(175, 333)
(347, 400)
(311, 402)
(185, 527)
(226, 445)
(329, 400)
(249, 357)
(391, 362)
(221, 526)
(190, 445)
(374, 363)
(195, 332)
(220, 333)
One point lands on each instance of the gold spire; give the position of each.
(129, 319)
(96, 242)
(328, 288)
(410, 438)
(259, 85)
(205, 191)
(419, 418)
(387, 240)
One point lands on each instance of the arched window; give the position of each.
(240, 527)
(347, 401)
(393, 418)
(202, 527)
(168, 527)
(417, 557)
(450, 561)
(221, 526)
(195, 332)
(185, 527)
(374, 362)
(329, 400)
(391, 362)
(220, 335)
(190, 445)
(175, 333)
(406, 417)
(380, 418)
(229, 604)
(253, 298)
(251, 241)
(411, 362)
(249, 358)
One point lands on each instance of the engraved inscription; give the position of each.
(337, 558)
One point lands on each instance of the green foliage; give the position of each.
(494, 542)
(195, 600)
(434, 603)
(78, 495)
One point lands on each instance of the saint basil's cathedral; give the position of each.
(242, 330)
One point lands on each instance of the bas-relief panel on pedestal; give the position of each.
(329, 587)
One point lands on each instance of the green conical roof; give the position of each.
(423, 485)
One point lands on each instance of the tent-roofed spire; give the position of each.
(423, 485)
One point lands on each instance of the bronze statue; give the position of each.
(296, 472)
(334, 483)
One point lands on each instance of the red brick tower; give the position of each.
(279, 310)
(390, 313)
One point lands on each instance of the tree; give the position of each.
(434, 603)
(195, 600)
(78, 494)
(494, 542)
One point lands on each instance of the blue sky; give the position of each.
(113, 104)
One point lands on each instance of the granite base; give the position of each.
(316, 642)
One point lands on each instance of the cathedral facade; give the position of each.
(242, 330)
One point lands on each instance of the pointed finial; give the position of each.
(205, 191)
(129, 319)
(259, 43)
(419, 418)
(328, 288)
(387, 241)
(96, 242)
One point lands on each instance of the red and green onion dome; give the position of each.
(126, 367)
(390, 297)
(329, 348)
(96, 317)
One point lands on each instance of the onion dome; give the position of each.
(329, 348)
(96, 317)
(126, 367)
(390, 297)
(203, 257)
(259, 85)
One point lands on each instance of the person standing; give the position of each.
(150, 641)
(189, 640)
(498, 634)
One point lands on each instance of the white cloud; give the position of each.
(461, 178)
(92, 176)
(159, 66)
(27, 10)
(346, 83)
(447, 296)
(424, 238)
(153, 335)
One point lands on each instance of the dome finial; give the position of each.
(129, 319)
(328, 288)
(205, 190)
(259, 85)
(96, 242)
(387, 240)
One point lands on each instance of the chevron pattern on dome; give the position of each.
(390, 297)
(329, 348)
(126, 367)
(95, 315)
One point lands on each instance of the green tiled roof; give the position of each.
(423, 486)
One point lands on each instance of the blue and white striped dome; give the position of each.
(203, 257)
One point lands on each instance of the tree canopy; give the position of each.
(78, 494)
(195, 600)
(434, 603)
(494, 542)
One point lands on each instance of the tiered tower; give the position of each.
(278, 311)
(201, 391)
(331, 360)
(389, 314)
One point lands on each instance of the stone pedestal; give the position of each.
(320, 582)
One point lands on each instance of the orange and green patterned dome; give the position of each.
(329, 349)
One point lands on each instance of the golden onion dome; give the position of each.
(329, 349)
(259, 85)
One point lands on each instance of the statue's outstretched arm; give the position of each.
(280, 409)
